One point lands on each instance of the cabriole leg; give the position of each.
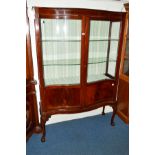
(43, 121)
(103, 113)
(113, 115)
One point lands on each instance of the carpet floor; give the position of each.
(87, 136)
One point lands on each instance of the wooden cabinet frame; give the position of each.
(56, 99)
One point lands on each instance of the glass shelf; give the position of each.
(73, 79)
(93, 78)
(62, 74)
(76, 40)
(61, 40)
(75, 61)
(64, 80)
(105, 40)
(62, 62)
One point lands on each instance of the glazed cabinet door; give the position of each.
(60, 58)
(102, 64)
(61, 51)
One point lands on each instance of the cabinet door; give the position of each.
(59, 58)
(102, 60)
(103, 50)
(123, 89)
(61, 51)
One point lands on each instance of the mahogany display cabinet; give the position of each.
(78, 55)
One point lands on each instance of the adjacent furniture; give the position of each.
(78, 55)
(123, 93)
(32, 122)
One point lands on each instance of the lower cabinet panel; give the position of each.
(62, 97)
(101, 91)
(73, 98)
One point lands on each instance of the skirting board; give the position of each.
(67, 117)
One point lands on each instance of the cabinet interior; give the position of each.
(61, 50)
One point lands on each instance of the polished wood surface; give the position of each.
(61, 97)
(85, 96)
(100, 92)
(123, 100)
(74, 13)
(32, 121)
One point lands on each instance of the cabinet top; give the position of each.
(109, 5)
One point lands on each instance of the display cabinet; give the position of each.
(78, 52)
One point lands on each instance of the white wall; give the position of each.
(92, 4)
(110, 5)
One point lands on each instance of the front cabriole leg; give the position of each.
(103, 113)
(114, 113)
(43, 121)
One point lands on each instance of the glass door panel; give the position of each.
(98, 46)
(103, 48)
(113, 51)
(61, 50)
(126, 58)
(115, 30)
(112, 58)
(99, 30)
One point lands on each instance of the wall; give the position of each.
(110, 5)
(94, 4)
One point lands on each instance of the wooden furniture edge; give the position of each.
(123, 117)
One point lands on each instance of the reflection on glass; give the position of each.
(115, 30)
(113, 56)
(98, 45)
(61, 50)
(99, 30)
(103, 48)
(126, 60)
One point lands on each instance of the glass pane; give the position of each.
(103, 49)
(115, 31)
(126, 60)
(112, 58)
(99, 30)
(61, 50)
(98, 46)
